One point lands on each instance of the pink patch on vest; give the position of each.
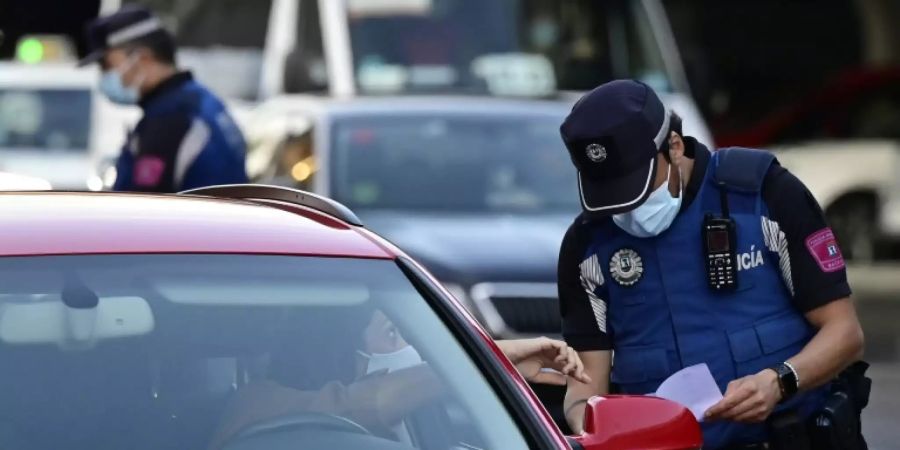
(824, 248)
(148, 171)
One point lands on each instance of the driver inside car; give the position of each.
(375, 379)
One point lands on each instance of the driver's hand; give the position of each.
(533, 356)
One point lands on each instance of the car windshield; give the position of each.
(466, 163)
(233, 352)
(31, 119)
(441, 45)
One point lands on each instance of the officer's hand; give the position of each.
(749, 400)
(532, 356)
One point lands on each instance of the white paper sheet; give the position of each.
(694, 387)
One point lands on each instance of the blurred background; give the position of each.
(437, 120)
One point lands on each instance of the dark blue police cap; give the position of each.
(613, 134)
(126, 25)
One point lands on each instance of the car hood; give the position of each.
(473, 248)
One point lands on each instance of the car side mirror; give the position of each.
(638, 422)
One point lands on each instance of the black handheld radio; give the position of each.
(720, 248)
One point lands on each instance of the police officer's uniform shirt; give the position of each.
(185, 140)
(796, 224)
(158, 142)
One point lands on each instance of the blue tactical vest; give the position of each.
(669, 318)
(222, 159)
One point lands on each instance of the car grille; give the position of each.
(518, 309)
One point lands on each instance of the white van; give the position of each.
(341, 48)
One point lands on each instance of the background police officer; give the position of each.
(186, 138)
(775, 325)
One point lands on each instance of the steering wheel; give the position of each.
(319, 421)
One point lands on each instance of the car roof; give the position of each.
(64, 223)
(48, 75)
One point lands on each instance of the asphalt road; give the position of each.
(877, 294)
(881, 420)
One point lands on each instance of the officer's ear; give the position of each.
(676, 148)
(142, 54)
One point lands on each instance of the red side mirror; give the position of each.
(635, 422)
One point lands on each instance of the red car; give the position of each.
(254, 317)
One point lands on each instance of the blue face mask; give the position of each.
(655, 215)
(115, 90)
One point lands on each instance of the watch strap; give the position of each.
(788, 381)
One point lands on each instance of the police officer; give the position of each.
(684, 256)
(186, 138)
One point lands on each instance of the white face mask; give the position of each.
(656, 214)
(400, 359)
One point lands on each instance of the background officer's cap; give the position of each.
(126, 25)
(613, 135)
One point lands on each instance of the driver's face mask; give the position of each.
(400, 359)
(656, 214)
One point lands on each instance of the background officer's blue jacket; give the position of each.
(186, 139)
(670, 318)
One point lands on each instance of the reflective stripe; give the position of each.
(591, 278)
(134, 31)
(663, 130)
(194, 142)
(776, 242)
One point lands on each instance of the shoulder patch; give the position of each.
(148, 170)
(825, 250)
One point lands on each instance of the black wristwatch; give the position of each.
(788, 380)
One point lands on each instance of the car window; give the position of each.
(220, 41)
(233, 352)
(469, 163)
(31, 120)
(305, 69)
(437, 45)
